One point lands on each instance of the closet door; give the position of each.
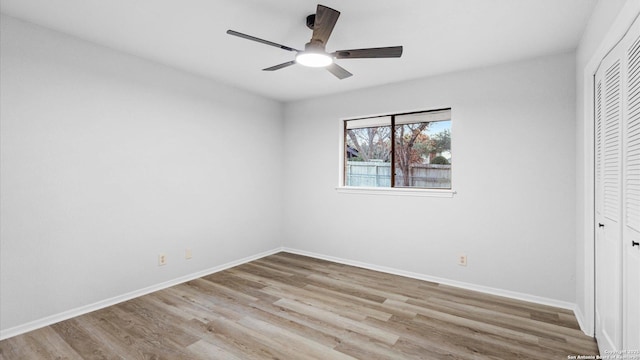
(609, 211)
(631, 191)
(617, 210)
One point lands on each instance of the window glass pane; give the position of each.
(422, 152)
(406, 150)
(368, 156)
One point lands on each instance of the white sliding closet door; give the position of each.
(617, 167)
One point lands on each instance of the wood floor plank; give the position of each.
(43, 343)
(510, 344)
(362, 347)
(304, 347)
(110, 338)
(540, 328)
(355, 289)
(339, 321)
(288, 306)
(149, 341)
(238, 348)
(320, 300)
(272, 348)
(205, 349)
(470, 342)
(362, 302)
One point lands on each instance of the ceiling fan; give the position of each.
(314, 53)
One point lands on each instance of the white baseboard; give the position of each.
(21, 329)
(581, 322)
(484, 289)
(49, 320)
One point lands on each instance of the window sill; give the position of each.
(444, 193)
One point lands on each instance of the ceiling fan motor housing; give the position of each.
(311, 21)
(314, 47)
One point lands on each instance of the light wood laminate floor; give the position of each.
(288, 306)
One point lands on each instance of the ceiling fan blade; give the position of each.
(338, 71)
(266, 42)
(326, 19)
(280, 66)
(384, 52)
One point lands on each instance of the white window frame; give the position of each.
(387, 191)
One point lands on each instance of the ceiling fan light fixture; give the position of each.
(314, 53)
(314, 59)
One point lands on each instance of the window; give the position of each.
(401, 151)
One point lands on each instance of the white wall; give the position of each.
(108, 160)
(514, 171)
(608, 22)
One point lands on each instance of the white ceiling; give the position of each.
(438, 36)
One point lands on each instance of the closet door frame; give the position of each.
(585, 295)
(617, 195)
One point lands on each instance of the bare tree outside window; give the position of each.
(372, 143)
(419, 147)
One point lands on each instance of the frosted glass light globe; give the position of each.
(313, 59)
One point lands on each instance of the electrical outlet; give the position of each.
(162, 259)
(462, 260)
(187, 254)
